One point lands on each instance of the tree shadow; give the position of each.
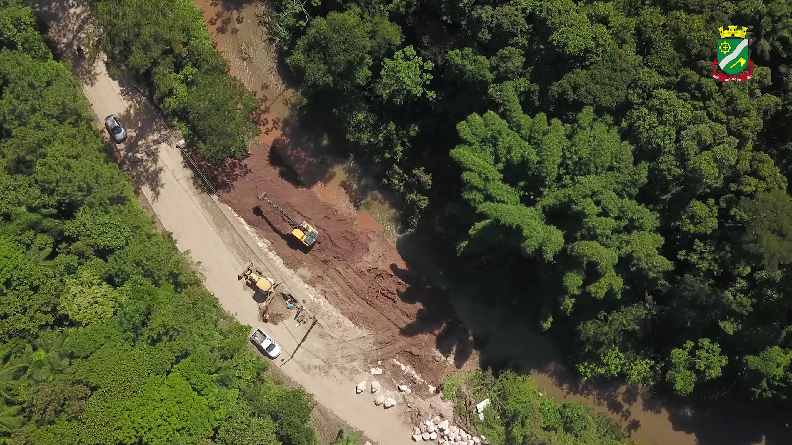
(729, 429)
(221, 175)
(304, 148)
(436, 316)
(306, 155)
(63, 38)
(285, 170)
(138, 155)
(227, 17)
(231, 5)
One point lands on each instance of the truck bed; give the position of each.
(258, 337)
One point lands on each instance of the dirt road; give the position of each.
(329, 364)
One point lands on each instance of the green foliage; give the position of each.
(166, 45)
(216, 108)
(288, 408)
(87, 299)
(687, 366)
(769, 373)
(337, 51)
(562, 194)
(769, 228)
(165, 409)
(405, 77)
(241, 428)
(638, 203)
(520, 413)
(106, 333)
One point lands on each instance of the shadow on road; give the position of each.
(139, 154)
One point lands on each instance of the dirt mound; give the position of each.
(359, 271)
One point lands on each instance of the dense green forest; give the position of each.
(520, 413)
(584, 150)
(107, 335)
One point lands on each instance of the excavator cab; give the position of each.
(306, 234)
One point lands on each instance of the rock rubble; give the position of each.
(441, 431)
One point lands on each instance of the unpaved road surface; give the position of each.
(328, 364)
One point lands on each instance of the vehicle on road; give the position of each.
(304, 232)
(257, 280)
(115, 129)
(265, 343)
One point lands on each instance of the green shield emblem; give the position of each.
(733, 55)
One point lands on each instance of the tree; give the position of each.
(217, 109)
(768, 231)
(769, 373)
(689, 367)
(167, 44)
(405, 76)
(87, 299)
(166, 409)
(51, 401)
(676, 233)
(241, 428)
(288, 408)
(106, 333)
(25, 294)
(563, 194)
(337, 51)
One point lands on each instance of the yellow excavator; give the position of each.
(303, 232)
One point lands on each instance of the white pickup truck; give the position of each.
(265, 343)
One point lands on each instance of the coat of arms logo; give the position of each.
(733, 64)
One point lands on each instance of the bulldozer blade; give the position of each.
(245, 271)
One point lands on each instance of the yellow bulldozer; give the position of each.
(257, 280)
(304, 232)
(260, 283)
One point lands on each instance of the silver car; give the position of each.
(115, 129)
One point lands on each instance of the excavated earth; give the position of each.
(357, 268)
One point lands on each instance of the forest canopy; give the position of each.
(585, 151)
(107, 335)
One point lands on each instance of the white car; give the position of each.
(265, 343)
(115, 129)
